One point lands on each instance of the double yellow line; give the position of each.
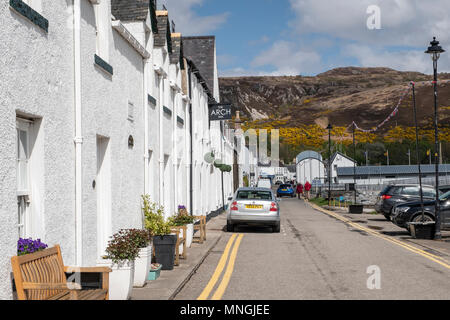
(429, 256)
(220, 266)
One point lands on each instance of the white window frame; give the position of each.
(102, 27)
(23, 194)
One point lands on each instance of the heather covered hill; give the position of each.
(340, 96)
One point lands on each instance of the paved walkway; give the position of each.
(171, 282)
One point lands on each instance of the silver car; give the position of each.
(253, 206)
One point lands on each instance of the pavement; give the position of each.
(379, 223)
(170, 282)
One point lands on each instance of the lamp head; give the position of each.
(435, 49)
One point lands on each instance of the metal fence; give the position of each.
(445, 180)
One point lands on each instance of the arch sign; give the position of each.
(219, 112)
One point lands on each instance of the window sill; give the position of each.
(103, 65)
(26, 11)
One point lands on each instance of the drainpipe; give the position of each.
(161, 140)
(146, 154)
(78, 138)
(191, 185)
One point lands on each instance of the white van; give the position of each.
(264, 183)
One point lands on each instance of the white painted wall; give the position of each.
(37, 82)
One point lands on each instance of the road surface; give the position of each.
(315, 256)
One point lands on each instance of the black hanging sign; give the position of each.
(219, 112)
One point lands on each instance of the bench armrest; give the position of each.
(87, 269)
(51, 286)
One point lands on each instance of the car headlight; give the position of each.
(402, 209)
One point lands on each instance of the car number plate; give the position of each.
(253, 206)
(283, 189)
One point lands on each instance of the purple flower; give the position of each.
(25, 246)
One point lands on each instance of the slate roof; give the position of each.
(201, 51)
(392, 170)
(130, 10)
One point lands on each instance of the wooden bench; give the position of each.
(41, 276)
(201, 227)
(181, 240)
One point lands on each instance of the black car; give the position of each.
(393, 195)
(412, 212)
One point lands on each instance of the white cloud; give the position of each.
(404, 22)
(182, 12)
(288, 59)
(411, 60)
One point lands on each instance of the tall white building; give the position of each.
(99, 106)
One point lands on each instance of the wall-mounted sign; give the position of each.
(219, 112)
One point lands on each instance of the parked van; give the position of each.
(264, 183)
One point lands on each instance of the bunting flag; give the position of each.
(396, 109)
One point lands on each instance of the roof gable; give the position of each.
(342, 155)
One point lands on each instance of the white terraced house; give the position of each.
(100, 105)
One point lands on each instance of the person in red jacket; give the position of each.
(307, 188)
(299, 190)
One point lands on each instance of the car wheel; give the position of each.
(387, 216)
(230, 227)
(276, 228)
(426, 217)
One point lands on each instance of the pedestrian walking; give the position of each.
(299, 190)
(307, 189)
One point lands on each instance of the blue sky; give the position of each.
(307, 37)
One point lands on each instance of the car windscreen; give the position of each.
(254, 195)
(285, 186)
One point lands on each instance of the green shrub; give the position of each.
(154, 218)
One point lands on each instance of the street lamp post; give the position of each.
(329, 128)
(354, 164)
(435, 51)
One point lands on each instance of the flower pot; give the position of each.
(164, 247)
(142, 266)
(189, 234)
(120, 279)
(153, 274)
(356, 208)
(422, 230)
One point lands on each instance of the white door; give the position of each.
(23, 183)
(103, 188)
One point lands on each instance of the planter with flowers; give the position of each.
(163, 240)
(142, 240)
(188, 221)
(121, 253)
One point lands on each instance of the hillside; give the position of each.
(340, 96)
